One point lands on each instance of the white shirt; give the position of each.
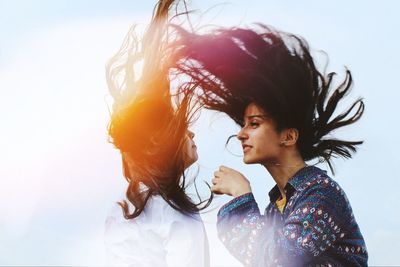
(159, 236)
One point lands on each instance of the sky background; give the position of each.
(58, 174)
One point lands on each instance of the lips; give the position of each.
(246, 148)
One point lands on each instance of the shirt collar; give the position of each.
(295, 183)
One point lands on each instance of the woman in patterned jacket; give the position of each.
(267, 82)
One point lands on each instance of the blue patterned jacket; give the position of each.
(317, 227)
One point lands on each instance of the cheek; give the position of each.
(190, 154)
(266, 141)
(190, 151)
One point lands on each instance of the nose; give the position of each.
(242, 135)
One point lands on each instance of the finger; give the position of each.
(214, 181)
(215, 190)
(217, 173)
(224, 168)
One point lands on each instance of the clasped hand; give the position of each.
(230, 182)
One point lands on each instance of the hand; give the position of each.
(229, 181)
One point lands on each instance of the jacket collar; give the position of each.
(296, 183)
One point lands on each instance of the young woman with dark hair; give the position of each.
(267, 82)
(159, 224)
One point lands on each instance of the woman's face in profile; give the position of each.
(259, 138)
(190, 149)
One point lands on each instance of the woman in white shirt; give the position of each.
(158, 224)
(159, 236)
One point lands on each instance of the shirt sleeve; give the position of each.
(312, 226)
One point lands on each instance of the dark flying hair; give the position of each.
(275, 70)
(148, 128)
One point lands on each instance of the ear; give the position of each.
(289, 137)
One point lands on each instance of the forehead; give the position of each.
(252, 109)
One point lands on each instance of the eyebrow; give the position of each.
(257, 116)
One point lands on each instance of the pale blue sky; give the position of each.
(58, 174)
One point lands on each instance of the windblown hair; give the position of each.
(275, 70)
(148, 127)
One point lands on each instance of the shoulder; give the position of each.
(320, 183)
(159, 209)
(156, 212)
(321, 191)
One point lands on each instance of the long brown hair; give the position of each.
(147, 126)
(275, 70)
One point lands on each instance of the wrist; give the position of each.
(241, 191)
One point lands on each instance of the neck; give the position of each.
(282, 170)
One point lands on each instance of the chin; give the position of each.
(193, 160)
(195, 156)
(249, 160)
